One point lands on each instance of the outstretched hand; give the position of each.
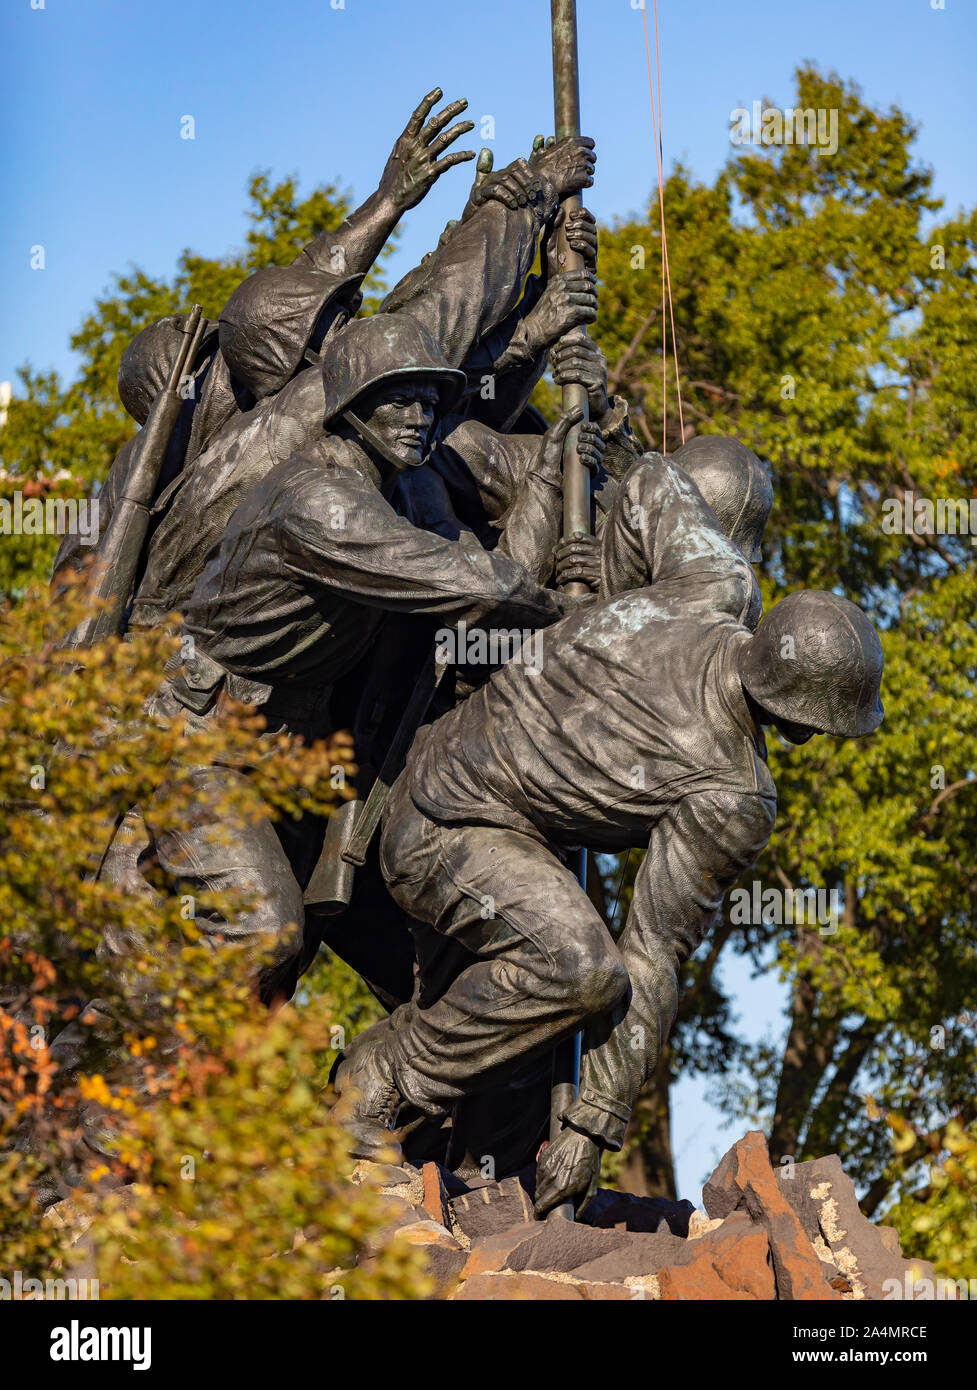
(515, 186)
(566, 1171)
(414, 165)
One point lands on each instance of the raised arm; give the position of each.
(416, 162)
(383, 560)
(278, 313)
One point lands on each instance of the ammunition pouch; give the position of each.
(199, 683)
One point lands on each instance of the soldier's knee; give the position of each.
(597, 980)
(268, 925)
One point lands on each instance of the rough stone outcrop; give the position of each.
(796, 1234)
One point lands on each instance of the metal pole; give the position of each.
(566, 107)
(576, 478)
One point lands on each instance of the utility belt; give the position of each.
(201, 683)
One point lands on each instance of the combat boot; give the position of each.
(368, 1097)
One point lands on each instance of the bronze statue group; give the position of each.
(339, 491)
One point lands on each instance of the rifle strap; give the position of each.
(417, 707)
(370, 437)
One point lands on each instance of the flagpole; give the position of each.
(576, 478)
(566, 108)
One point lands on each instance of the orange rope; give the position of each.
(666, 268)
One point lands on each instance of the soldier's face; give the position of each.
(403, 417)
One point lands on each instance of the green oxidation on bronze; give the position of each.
(566, 107)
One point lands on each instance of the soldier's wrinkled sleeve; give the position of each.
(353, 542)
(696, 853)
(495, 464)
(504, 368)
(71, 552)
(475, 279)
(660, 530)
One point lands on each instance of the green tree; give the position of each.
(825, 316)
(136, 1066)
(60, 439)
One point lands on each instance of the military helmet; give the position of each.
(735, 484)
(271, 318)
(384, 347)
(146, 362)
(816, 660)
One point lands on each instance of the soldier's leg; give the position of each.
(216, 851)
(373, 935)
(677, 897)
(541, 958)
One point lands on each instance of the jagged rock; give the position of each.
(745, 1178)
(611, 1209)
(471, 1179)
(699, 1224)
(554, 1246)
(638, 1255)
(406, 1184)
(435, 1195)
(381, 1174)
(730, 1263)
(445, 1257)
(538, 1288)
(489, 1254)
(562, 1246)
(486, 1211)
(796, 1234)
(890, 1238)
(723, 1193)
(823, 1198)
(397, 1214)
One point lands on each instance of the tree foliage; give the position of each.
(825, 316)
(137, 1070)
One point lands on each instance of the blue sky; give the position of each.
(94, 168)
(95, 171)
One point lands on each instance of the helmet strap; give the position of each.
(371, 437)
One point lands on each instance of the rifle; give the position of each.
(350, 830)
(115, 565)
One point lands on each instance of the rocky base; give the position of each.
(795, 1234)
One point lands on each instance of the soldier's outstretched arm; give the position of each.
(416, 162)
(696, 853)
(476, 276)
(379, 558)
(278, 313)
